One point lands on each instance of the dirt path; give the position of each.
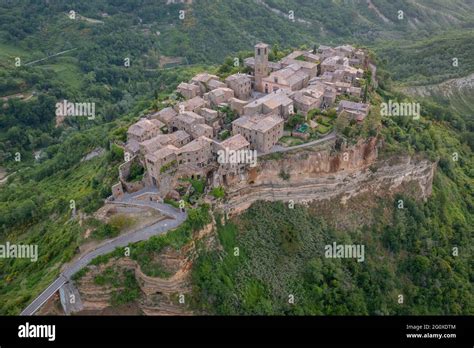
(4, 175)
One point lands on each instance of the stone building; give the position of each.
(303, 61)
(344, 51)
(241, 85)
(132, 147)
(194, 104)
(202, 130)
(233, 150)
(262, 132)
(291, 78)
(261, 65)
(197, 153)
(334, 63)
(301, 56)
(188, 91)
(276, 103)
(165, 115)
(352, 110)
(178, 139)
(238, 105)
(218, 96)
(185, 120)
(308, 99)
(144, 129)
(207, 82)
(326, 51)
(160, 162)
(212, 119)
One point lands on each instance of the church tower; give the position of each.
(261, 65)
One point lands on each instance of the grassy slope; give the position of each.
(281, 253)
(242, 25)
(47, 207)
(56, 237)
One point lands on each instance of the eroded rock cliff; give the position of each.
(306, 176)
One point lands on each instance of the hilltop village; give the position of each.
(217, 128)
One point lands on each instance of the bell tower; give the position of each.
(261, 65)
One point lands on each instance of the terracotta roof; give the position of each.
(189, 117)
(140, 127)
(193, 103)
(235, 142)
(188, 86)
(202, 129)
(133, 146)
(161, 153)
(238, 77)
(258, 123)
(196, 145)
(204, 77)
(346, 104)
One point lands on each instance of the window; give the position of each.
(258, 51)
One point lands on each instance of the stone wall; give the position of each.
(124, 172)
(117, 190)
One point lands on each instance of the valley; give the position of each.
(400, 186)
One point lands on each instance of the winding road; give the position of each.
(176, 219)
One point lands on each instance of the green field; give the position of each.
(291, 141)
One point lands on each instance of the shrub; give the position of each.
(105, 231)
(284, 175)
(136, 172)
(115, 154)
(121, 222)
(167, 166)
(218, 192)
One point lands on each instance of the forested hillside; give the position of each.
(164, 47)
(409, 251)
(101, 35)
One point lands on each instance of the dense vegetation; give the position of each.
(35, 202)
(125, 285)
(281, 254)
(105, 33)
(437, 59)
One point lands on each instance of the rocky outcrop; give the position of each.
(315, 176)
(97, 297)
(160, 296)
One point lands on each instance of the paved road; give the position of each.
(176, 218)
(48, 57)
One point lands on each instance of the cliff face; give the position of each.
(324, 177)
(158, 296)
(308, 176)
(308, 164)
